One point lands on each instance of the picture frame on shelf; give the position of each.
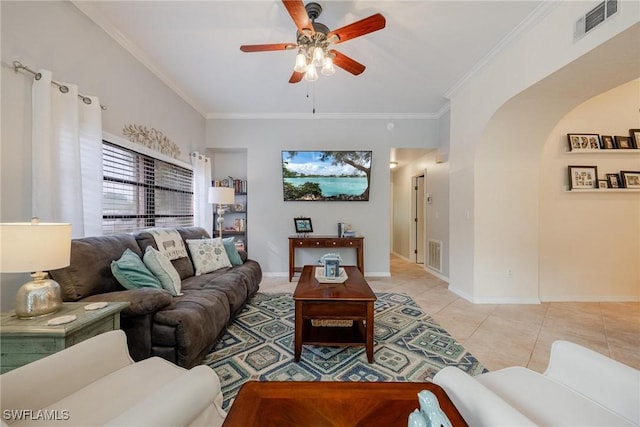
(607, 142)
(603, 183)
(635, 136)
(630, 179)
(583, 141)
(624, 142)
(613, 179)
(238, 207)
(303, 225)
(583, 177)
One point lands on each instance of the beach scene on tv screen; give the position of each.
(326, 175)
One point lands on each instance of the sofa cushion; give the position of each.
(232, 252)
(162, 268)
(186, 330)
(183, 266)
(131, 272)
(547, 402)
(89, 271)
(237, 283)
(208, 255)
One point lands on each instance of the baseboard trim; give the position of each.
(506, 300)
(437, 274)
(460, 293)
(582, 298)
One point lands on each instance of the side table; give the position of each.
(26, 340)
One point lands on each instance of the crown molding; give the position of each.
(321, 116)
(542, 10)
(99, 19)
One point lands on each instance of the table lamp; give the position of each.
(35, 247)
(222, 196)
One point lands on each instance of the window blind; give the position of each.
(140, 192)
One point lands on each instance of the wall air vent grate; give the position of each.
(434, 255)
(595, 17)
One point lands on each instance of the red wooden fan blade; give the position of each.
(359, 28)
(299, 15)
(347, 64)
(296, 77)
(266, 47)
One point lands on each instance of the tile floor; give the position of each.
(515, 334)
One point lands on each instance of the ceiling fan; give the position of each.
(313, 41)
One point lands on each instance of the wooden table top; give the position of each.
(355, 288)
(10, 324)
(332, 404)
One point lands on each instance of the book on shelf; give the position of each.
(238, 185)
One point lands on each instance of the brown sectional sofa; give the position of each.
(181, 329)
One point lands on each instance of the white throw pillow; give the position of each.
(161, 267)
(208, 255)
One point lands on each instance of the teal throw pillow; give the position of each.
(161, 267)
(232, 252)
(131, 272)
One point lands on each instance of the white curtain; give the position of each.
(66, 145)
(202, 209)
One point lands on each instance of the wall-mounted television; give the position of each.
(326, 175)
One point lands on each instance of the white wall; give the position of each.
(500, 119)
(270, 219)
(58, 37)
(590, 242)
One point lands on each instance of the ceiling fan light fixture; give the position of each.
(301, 62)
(327, 67)
(311, 75)
(318, 56)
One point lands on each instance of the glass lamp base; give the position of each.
(38, 297)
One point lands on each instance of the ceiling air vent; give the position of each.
(595, 17)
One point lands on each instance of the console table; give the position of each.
(326, 242)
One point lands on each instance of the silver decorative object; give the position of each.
(39, 297)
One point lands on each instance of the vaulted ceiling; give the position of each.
(425, 51)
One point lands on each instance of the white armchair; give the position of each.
(96, 383)
(579, 388)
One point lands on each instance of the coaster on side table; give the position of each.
(96, 305)
(61, 320)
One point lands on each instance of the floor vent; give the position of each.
(434, 255)
(595, 17)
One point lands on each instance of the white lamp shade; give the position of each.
(29, 247)
(221, 195)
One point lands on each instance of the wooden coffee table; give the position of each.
(332, 404)
(351, 300)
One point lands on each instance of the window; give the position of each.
(139, 192)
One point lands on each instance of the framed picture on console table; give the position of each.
(630, 179)
(583, 177)
(303, 225)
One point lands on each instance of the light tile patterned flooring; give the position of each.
(514, 334)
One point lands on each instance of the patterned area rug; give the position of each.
(408, 346)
